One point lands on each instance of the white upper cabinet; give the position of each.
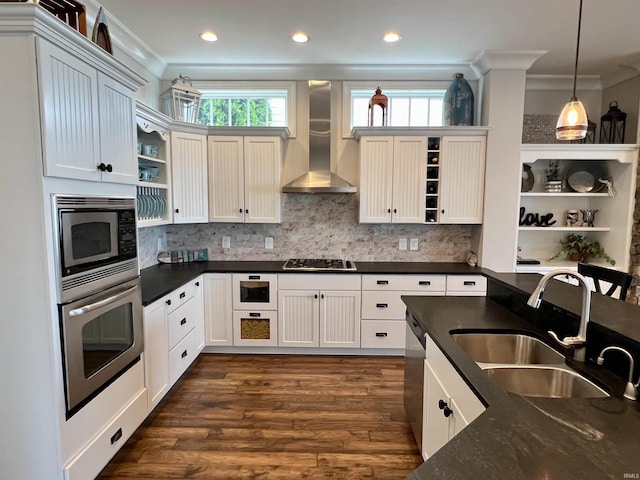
(226, 177)
(189, 172)
(462, 179)
(392, 179)
(244, 179)
(88, 120)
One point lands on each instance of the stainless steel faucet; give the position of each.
(630, 391)
(579, 342)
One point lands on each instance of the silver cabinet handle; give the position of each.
(93, 306)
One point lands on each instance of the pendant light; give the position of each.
(573, 123)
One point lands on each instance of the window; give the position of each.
(415, 104)
(247, 104)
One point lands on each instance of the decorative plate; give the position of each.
(584, 177)
(527, 178)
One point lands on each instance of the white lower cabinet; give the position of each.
(449, 403)
(318, 310)
(218, 310)
(173, 337)
(383, 311)
(106, 444)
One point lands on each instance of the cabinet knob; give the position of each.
(102, 167)
(177, 210)
(184, 354)
(442, 405)
(197, 284)
(246, 211)
(168, 302)
(395, 210)
(240, 210)
(315, 296)
(442, 211)
(388, 210)
(109, 168)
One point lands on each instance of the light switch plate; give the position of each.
(413, 244)
(226, 242)
(402, 244)
(268, 242)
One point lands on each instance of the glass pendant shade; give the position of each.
(572, 123)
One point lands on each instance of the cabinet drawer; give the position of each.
(93, 458)
(180, 296)
(382, 334)
(382, 305)
(181, 356)
(181, 321)
(405, 283)
(474, 285)
(319, 281)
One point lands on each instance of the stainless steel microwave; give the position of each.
(96, 243)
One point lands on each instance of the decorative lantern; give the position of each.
(181, 101)
(381, 101)
(590, 137)
(612, 125)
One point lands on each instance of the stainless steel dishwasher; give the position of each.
(414, 356)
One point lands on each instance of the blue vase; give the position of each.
(457, 104)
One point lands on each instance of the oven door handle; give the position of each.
(92, 306)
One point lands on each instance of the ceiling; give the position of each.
(349, 32)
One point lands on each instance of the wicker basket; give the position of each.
(69, 11)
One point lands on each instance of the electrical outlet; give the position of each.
(413, 244)
(402, 244)
(226, 242)
(268, 242)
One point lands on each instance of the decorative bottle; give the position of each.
(457, 104)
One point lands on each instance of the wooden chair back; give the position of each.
(615, 278)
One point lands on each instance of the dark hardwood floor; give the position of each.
(276, 417)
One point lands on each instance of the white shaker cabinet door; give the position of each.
(226, 179)
(189, 169)
(462, 179)
(409, 173)
(376, 173)
(69, 114)
(117, 130)
(298, 318)
(340, 319)
(218, 311)
(262, 174)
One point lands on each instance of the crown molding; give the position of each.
(505, 60)
(126, 41)
(307, 71)
(563, 82)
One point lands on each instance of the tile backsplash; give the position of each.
(315, 225)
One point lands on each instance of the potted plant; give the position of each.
(552, 173)
(579, 248)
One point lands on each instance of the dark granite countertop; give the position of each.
(161, 279)
(523, 437)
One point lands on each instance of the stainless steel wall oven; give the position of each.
(99, 299)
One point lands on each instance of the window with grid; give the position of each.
(252, 104)
(409, 105)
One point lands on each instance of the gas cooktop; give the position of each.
(319, 264)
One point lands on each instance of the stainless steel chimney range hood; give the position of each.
(319, 179)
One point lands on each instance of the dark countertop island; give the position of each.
(535, 438)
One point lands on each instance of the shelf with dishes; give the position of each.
(593, 196)
(154, 167)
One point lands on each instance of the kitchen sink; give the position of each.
(543, 381)
(515, 349)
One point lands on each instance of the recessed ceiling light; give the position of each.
(300, 37)
(391, 37)
(208, 36)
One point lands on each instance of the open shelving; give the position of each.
(614, 219)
